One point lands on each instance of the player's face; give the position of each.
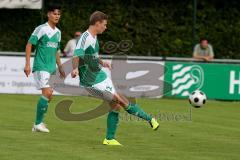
(54, 16)
(101, 26)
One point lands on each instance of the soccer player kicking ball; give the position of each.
(87, 64)
(46, 38)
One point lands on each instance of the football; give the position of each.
(197, 98)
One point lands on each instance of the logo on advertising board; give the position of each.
(186, 79)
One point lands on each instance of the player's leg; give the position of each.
(112, 124)
(105, 90)
(42, 105)
(131, 108)
(41, 78)
(136, 110)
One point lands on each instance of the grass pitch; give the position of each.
(210, 133)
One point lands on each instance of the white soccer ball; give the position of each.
(197, 99)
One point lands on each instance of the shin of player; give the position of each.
(46, 39)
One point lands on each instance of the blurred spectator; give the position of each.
(203, 51)
(71, 44)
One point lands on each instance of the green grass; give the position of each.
(213, 133)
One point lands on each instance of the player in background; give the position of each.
(46, 39)
(88, 65)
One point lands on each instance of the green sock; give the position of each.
(42, 106)
(134, 109)
(112, 122)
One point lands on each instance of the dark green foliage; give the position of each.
(156, 27)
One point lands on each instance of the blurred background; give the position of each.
(156, 27)
(162, 32)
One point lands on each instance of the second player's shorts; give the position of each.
(103, 90)
(41, 79)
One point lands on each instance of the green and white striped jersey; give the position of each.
(90, 71)
(47, 42)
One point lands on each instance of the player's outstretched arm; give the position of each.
(27, 68)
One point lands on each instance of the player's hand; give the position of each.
(74, 73)
(107, 65)
(62, 72)
(27, 70)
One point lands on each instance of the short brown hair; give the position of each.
(97, 16)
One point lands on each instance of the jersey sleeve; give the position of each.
(36, 35)
(59, 45)
(59, 40)
(80, 48)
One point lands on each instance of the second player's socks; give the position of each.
(112, 122)
(42, 106)
(134, 109)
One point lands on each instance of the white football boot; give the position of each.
(40, 128)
